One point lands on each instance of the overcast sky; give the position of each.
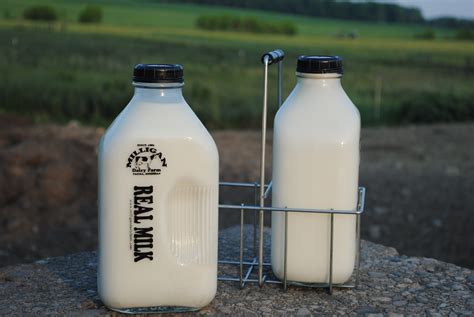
(435, 8)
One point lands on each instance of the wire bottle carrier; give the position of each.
(246, 266)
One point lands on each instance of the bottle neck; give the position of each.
(319, 81)
(163, 93)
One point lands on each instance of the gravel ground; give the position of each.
(390, 284)
(419, 180)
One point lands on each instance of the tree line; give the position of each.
(228, 22)
(346, 10)
(367, 11)
(89, 14)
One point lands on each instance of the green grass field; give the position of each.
(67, 71)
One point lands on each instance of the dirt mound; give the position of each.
(419, 180)
(48, 185)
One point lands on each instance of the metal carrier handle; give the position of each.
(268, 59)
(271, 58)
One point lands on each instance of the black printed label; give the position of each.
(146, 160)
(142, 223)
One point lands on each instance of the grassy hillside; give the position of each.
(83, 71)
(153, 14)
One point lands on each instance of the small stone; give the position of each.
(377, 274)
(303, 312)
(36, 310)
(422, 273)
(383, 299)
(470, 278)
(400, 303)
(246, 312)
(415, 287)
(88, 304)
(265, 309)
(457, 287)
(366, 310)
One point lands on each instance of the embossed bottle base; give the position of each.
(155, 310)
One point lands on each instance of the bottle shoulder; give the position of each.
(317, 105)
(145, 120)
(323, 114)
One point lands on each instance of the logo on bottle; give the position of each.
(146, 160)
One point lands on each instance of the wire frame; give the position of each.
(248, 266)
(261, 193)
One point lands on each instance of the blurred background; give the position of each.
(65, 70)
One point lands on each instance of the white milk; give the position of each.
(158, 166)
(316, 165)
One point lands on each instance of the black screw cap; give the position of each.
(319, 64)
(158, 73)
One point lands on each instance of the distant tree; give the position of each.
(287, 28)
(91, 14)
(40, 13)
(450, 22)
(465, 34)
(246, 24)
(426, 35)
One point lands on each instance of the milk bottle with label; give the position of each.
(316, 165)
(158, 201)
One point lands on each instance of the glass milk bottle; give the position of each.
(158, 201)
(316, 166)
